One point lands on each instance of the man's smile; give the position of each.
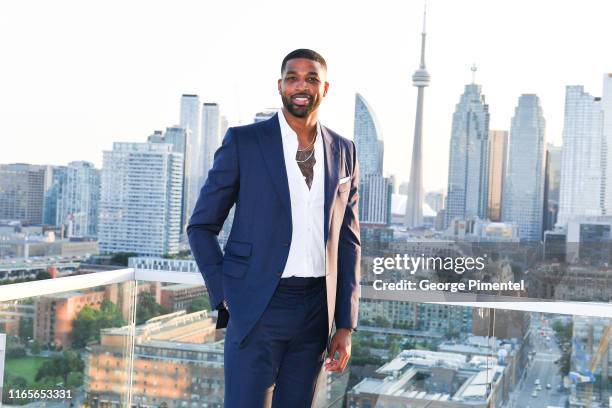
(301, 99)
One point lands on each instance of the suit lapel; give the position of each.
(271, 146)
(331, 176)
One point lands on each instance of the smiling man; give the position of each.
(289, 272)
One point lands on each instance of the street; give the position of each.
(541, 367)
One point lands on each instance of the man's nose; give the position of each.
(302, 85)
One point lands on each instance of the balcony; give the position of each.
(145, 338)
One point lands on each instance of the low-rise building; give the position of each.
(179, 296)
(421, 378)
(178, 362)
(54, 315)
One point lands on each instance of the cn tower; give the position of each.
(414, 202)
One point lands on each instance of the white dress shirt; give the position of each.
(307, 250)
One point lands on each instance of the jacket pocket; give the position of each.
(238, 249)
(343, 187)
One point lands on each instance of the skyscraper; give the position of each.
(370, 150)
(375, 193)
(22, 191)
(173, 135)
(435, 200)
(583, 159)
(375, 190)
(552, 182)
(497, 170)
(468, 167)
(414, 205)
(78, 199)
(211, 137)
(58, 175)
(190, 121)
(140, 202)
(523, 194)
(606, 106)
(177, 137)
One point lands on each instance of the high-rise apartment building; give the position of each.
(177, 137)
(606, 149)
(370, 150)
(58, 175)
(375, 190)
(582, 184)
(523, 192)
(375, 193)
(22, 192)
(190, 120)
(78, 199)
(140, 203)
(211, 137)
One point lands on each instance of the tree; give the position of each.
(394, 349)
(13, 382)
(86, 326)
(14, 348)
(199, 303)
(35, 348)
(61, 366)
(382, 321)
(121, 258)
(75, 380)
(148, 308)
(43, 275)
(26, 329)
(564, 333)
(179, 255)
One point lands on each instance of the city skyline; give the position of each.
(78, 117)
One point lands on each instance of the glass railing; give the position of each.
(64, 339)
(147, 338)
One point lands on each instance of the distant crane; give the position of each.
(588, 376)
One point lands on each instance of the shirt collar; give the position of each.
(289, 136)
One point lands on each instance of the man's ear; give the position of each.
(325, 88)
(280, 81)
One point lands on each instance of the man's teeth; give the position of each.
(301, 99)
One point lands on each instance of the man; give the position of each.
(290, 268)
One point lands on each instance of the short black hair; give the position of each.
(303, 53)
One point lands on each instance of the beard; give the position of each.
(300, 111)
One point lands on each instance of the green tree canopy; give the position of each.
(89, 321)
(199, 303)
(148, 308)
(62, 366)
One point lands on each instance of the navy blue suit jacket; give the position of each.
(249, 170)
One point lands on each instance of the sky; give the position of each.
(77, 76)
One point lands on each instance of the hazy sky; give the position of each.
(76, 76)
